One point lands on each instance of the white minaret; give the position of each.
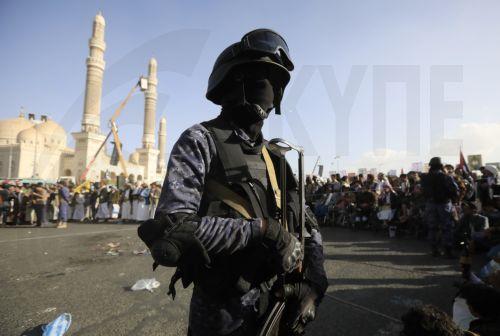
(95, 70)
(150, 95)
(88, 141)
(162, 144)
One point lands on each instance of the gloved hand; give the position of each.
(177, 240)
(302, 307)
(287, 247)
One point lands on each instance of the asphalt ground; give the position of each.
(46, 272)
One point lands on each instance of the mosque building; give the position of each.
(31, 148)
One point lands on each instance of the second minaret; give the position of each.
(151, 96)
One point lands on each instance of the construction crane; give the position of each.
(143, 85)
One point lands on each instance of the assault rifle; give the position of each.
(273, 325)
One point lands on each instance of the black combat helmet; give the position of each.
(260, 46)
(436, 162)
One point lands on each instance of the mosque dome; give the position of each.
(28, 136)
(53, 133)
(49, 133)
(10, 128)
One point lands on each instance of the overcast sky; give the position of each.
(344, 52)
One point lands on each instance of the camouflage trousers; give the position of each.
(438, 217)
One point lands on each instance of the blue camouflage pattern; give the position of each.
(182, 192)
(438, 217)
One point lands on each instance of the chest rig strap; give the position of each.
(271, 172)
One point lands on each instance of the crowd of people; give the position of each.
(49, 205)
(398, 204)
(454, 209)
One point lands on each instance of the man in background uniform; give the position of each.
(217, 215)
(439, 190)
(39, 201)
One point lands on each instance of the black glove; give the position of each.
(301, 301)
(287, 247)
(178, 239)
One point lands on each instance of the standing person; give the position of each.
(381, 180)
(14, 203)
(485, 185)
(103, 209)
(93, 197)
(4, 204)
(142, 213)
(51, 211)
(154, 198)
(126, 204)
(439, 190)
(29, 204)
(79, 207)
(233, 252)
(136, 191)
(64, 201)
(404, 183)
(22, 203)
(39, 198)
(114, 202)
(370, 183)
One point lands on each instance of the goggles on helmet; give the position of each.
(265, 41)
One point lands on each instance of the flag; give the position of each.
(474, 161)
(114, 155)
(463, 163)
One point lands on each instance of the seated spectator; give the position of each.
(484, 304)
(429, 321)
(473, 226)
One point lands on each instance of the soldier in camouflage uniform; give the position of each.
(440, 190)
(234, 254)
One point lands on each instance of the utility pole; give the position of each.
(35, 166)
(314, 168)
(9, 173)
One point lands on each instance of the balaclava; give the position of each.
(249, 100)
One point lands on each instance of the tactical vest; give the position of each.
(436, 188)
(239, 184)
(239, 170)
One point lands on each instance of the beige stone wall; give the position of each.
(28, 160)
(148, 158)
(42, 162)
(9, 152)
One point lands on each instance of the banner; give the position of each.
(417, 166)
(475, 161)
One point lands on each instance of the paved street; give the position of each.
(46, 272)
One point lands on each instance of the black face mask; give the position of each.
(250, 102)
(260, 92)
